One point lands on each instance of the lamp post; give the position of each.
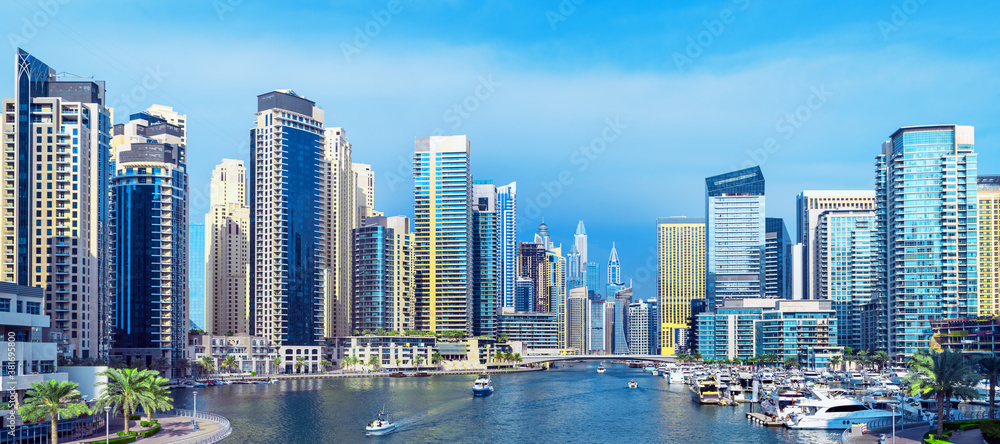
(107, 423)
(194, 421)
(893, 423)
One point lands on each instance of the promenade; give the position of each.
(382, 374)
(175, 428)
(915, 436)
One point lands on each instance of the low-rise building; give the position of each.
(968, 335)
(744, 328)
(538, 331)
(393, 352)
(253, 354)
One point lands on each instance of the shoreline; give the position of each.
(383, 374)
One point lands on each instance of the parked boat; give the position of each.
(397, 375)
(706, 391)
(482, 386)
(832, 414)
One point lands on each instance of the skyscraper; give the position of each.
(623, 298)
(734, 235)
(443, 233)
(365, 193)
(534, 265)
(524, 295)
(988, 194)
(226, 252)
(845, 248)
(926, 215)
(55, 200)
(614, 269)
(404, 304)
(576, 261)
(373, 287)
(593, 279)
(341, 217)
(777, 259)
(557, 285)
(289, 204)
(596, 324)
(542, 236)
(680, 277)
(149, 240)
(809, 205)
(574, 271)
(577, 306)
(642, 331)
(196, 276)
(507, 238)
(485, 250)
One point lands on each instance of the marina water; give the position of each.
(567, 404)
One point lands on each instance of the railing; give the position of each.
(225, 429)
(879, 423)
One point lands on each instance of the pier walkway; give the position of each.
(175, 428)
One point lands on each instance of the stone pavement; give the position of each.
(172, 428)
(916, 435)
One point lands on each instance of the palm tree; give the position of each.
(517, 357)
(882, 358)
(207, 364)
(116, 361)
(52, 399)
(945, 373)
(158, 398)
(326, 364)
(229, 363)
(835, 361)
(791, 361)
(299, 363)
(183, 365)
(159, 364)
(437, 357)
(498, 356)
(862, 357)
(277, 364)
(419, 360)
(989, 367)
(125, 389)
(398, 361)
(508, 356)
(374, 361)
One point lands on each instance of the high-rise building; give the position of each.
(845, 250)
(580, 240)
(596, 324)
(383, 286)
(534, 265)
(928, 231)
(196, 276)
(809, 205)
(734, 236)
(507, 238)
(557, 285)
(226, 252)
(542, 236)
(524, 295)
(988, 194)
(642, 331)
(777, 259)
(289, 207)
(609, 325)
(592, 278)
(404, 304)
(443, 233)
(340, 217)
(365, 192)
(623, 298)
(573, 270)
(576, 261)
(614, 272)
(680, 277)
(577, 306)
(55, 200)
(485, 251)
(149, 241)
(538, 331)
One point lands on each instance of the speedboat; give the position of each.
(601, 369)
(632, 384)
(381, 424)
(833, 414)
(706, 391)
(482, 386)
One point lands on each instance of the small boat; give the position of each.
(482, 386)
(601, 369)
(632, 384)
(421, 374)
(655, 372)
(381, 424)
(397, 375)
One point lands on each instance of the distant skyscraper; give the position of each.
(593, 279)
(577, 306)
(926, 209)
(507, 238)
(196, 276)
(365, 193)
(623, 298)
(149, 233)
(845, 248)
(988, 194)
(524, 295)
(580, 240)
(809, 205)
(642, 331)
(542, 236)
(557, 285)
(578, 267)
(340, 217)
(289, 207)
(443, 233)
(596, 324)
(55, 205)
(734, 235)
(680, 276)
(614, 267)
(777, 259)
(535, 265)
(225, 254)
(574, 271)
(485, 251)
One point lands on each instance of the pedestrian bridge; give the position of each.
(556, 358)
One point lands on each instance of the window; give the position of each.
(34, 308)
(5, 304)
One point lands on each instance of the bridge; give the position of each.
(556, 358)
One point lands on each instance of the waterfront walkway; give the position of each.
(382, 374)
(173, 429)
(916, 436)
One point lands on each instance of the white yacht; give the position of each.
(482, 386)
(632, 384)
(381, 424)
(832, 414)
(601, 369)
(677, 376)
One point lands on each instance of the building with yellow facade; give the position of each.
(680, 272)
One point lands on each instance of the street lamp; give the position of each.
(893, 423)
(194, 420)
(107, 423)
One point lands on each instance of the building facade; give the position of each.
(340, 216)
(577, 327)
(534, 265)
(988, 194)
(643, 333)
(810, 204)
(196, 276)
(777, 259)
(845, 254)
(680, 276)
(443, 233)
(225, 252)
(524, 295)
(485, 252)
(734, 236)
(538, 331)
(507, 240)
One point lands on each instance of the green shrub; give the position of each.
(991, 431)
(151, 431)
(144, 423)
(133, 417)
(123, 440)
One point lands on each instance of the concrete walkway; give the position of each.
(172, 428)
(916, 436)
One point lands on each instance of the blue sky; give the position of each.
(690, 91)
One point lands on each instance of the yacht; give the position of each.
(601, 369)
(832, 414)
(926, 410)
(381, 424)
(677, 376)
(632, 384)
(706, 391)
(655, 372)
(482, 386)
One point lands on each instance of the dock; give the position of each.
(764, 420)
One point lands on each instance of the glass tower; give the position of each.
(777, 263)
(734, 236)
(988, 193)
(485, 251)
(507, 238)
(196, 276)
(845, 250)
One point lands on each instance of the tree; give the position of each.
(834, 361)
(125, 390)
(183, 365)
(419, 360)
(207, 364)
(374, 361)
(229, 363)
(116, 361)
(50, 399)
(437, 357)
(157, 398)
(696, 356)
(299, 363)
(517, 357)
(277, 364)
(989, 367)
(326, 364)
(159, 364)
(862, 357)
(945, 373)
(498, 356)
(503, 338)
(398, 362)
(791, 361)
(881, 358)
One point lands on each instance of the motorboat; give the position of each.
(706, 391)
(782, 402)
(482, 386)
(601, 369)
(655, 372)
(632, 384)
(381, 424)
(833, 414)
(677, 376)
(926, 410)
(397, 375)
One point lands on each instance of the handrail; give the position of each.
(224, 430)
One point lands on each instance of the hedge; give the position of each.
(123, 440)
(151, 431)
(991, 431)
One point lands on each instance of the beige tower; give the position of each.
(988, 194)
(403, 304)
(227, 251)
(341, 219)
